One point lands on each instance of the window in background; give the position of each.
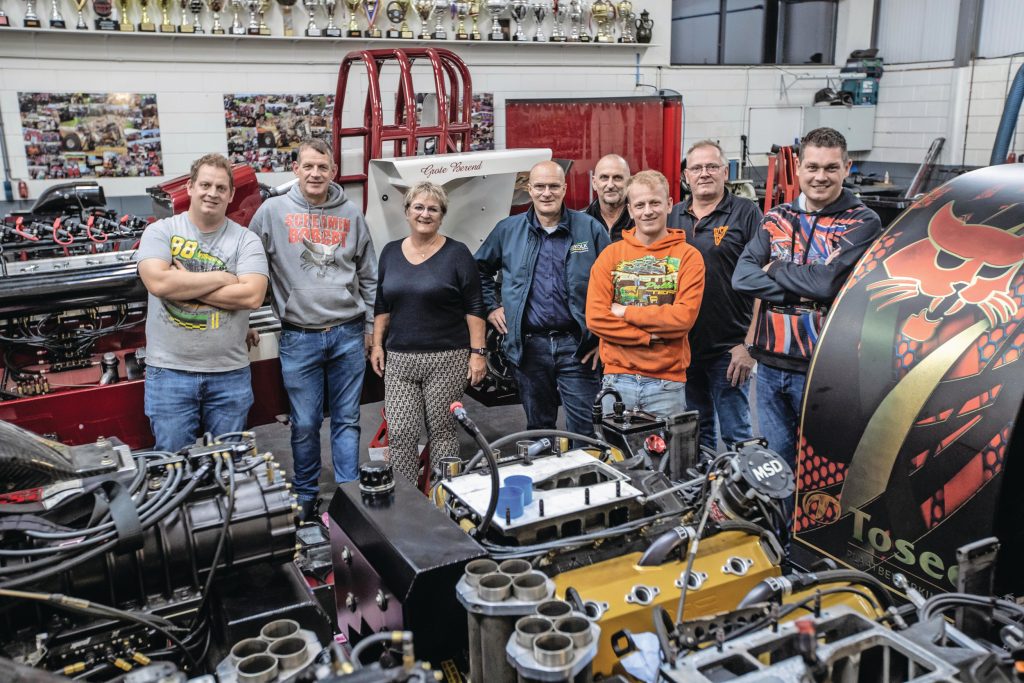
(918, 30)
(753, 31)
(1001, 25)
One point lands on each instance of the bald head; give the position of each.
(547, 190)
(610, 177)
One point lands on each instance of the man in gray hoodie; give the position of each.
(323, 279)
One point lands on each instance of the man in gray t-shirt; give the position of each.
(204, 274)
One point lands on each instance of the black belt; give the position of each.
(552, 333)
(309, 330)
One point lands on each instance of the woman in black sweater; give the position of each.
(429, 318)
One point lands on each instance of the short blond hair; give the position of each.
(435, 192)
(651, 179)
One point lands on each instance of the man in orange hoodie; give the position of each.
(643, 298)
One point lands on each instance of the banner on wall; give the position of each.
(106, 135)
(482, 116)
(264, 130)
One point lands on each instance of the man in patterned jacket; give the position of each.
(796, 264)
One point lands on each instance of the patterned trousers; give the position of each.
(418, 386)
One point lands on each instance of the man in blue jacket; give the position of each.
(544, 257)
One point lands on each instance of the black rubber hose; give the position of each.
(597, 412)
(463, 418)
(485, 523)
(773, 588)
(658, 552)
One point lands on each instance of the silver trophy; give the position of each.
(540, 12)
(520, 10)
(196, 7)
(312, 30)
(424, 8)
(254, 8)
(496, 8)
(332, 30)
(236, 28)
(31, 18)
(216, 6)
(559, 11)
(56, 18)
(442, 8)
(577, 33)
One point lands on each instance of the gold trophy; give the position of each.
(371, 8)
(80, 6)
(215, 7)
(474, 15)
(125, 16)
(287, 25)
(165, 17)
(353, 26)
(261, 11)
(461, 12)
(603, 13)
(145, 24)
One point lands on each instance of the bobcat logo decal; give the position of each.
(319, 256)
(960, 265)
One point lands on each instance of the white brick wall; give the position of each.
(920, 102)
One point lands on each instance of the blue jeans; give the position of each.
(548, 370)
(720, 404)
(181, 405)
(661, 397)
(779, 396)
(311, 360)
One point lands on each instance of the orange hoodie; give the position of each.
(661, 286)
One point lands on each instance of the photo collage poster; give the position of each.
(91, 135)
(264, 130)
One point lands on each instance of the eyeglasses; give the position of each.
(420, 208)
(546, 187)
(700, 168)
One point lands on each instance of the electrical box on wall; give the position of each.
(857, 123)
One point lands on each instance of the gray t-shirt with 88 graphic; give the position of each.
(191, 335)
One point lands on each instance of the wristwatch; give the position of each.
(481, 351)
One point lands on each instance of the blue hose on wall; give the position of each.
(1009, 120)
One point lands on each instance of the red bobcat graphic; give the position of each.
(960, 264)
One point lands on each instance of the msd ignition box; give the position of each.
(669, 445)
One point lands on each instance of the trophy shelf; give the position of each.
(361, 42)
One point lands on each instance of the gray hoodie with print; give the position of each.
(323, 269)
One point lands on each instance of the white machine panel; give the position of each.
(479, 186)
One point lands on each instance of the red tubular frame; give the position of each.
(452, 85)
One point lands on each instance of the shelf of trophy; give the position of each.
(254, 39)
(251, 22)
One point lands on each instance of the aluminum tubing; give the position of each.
(494, 635)
(475, 662)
